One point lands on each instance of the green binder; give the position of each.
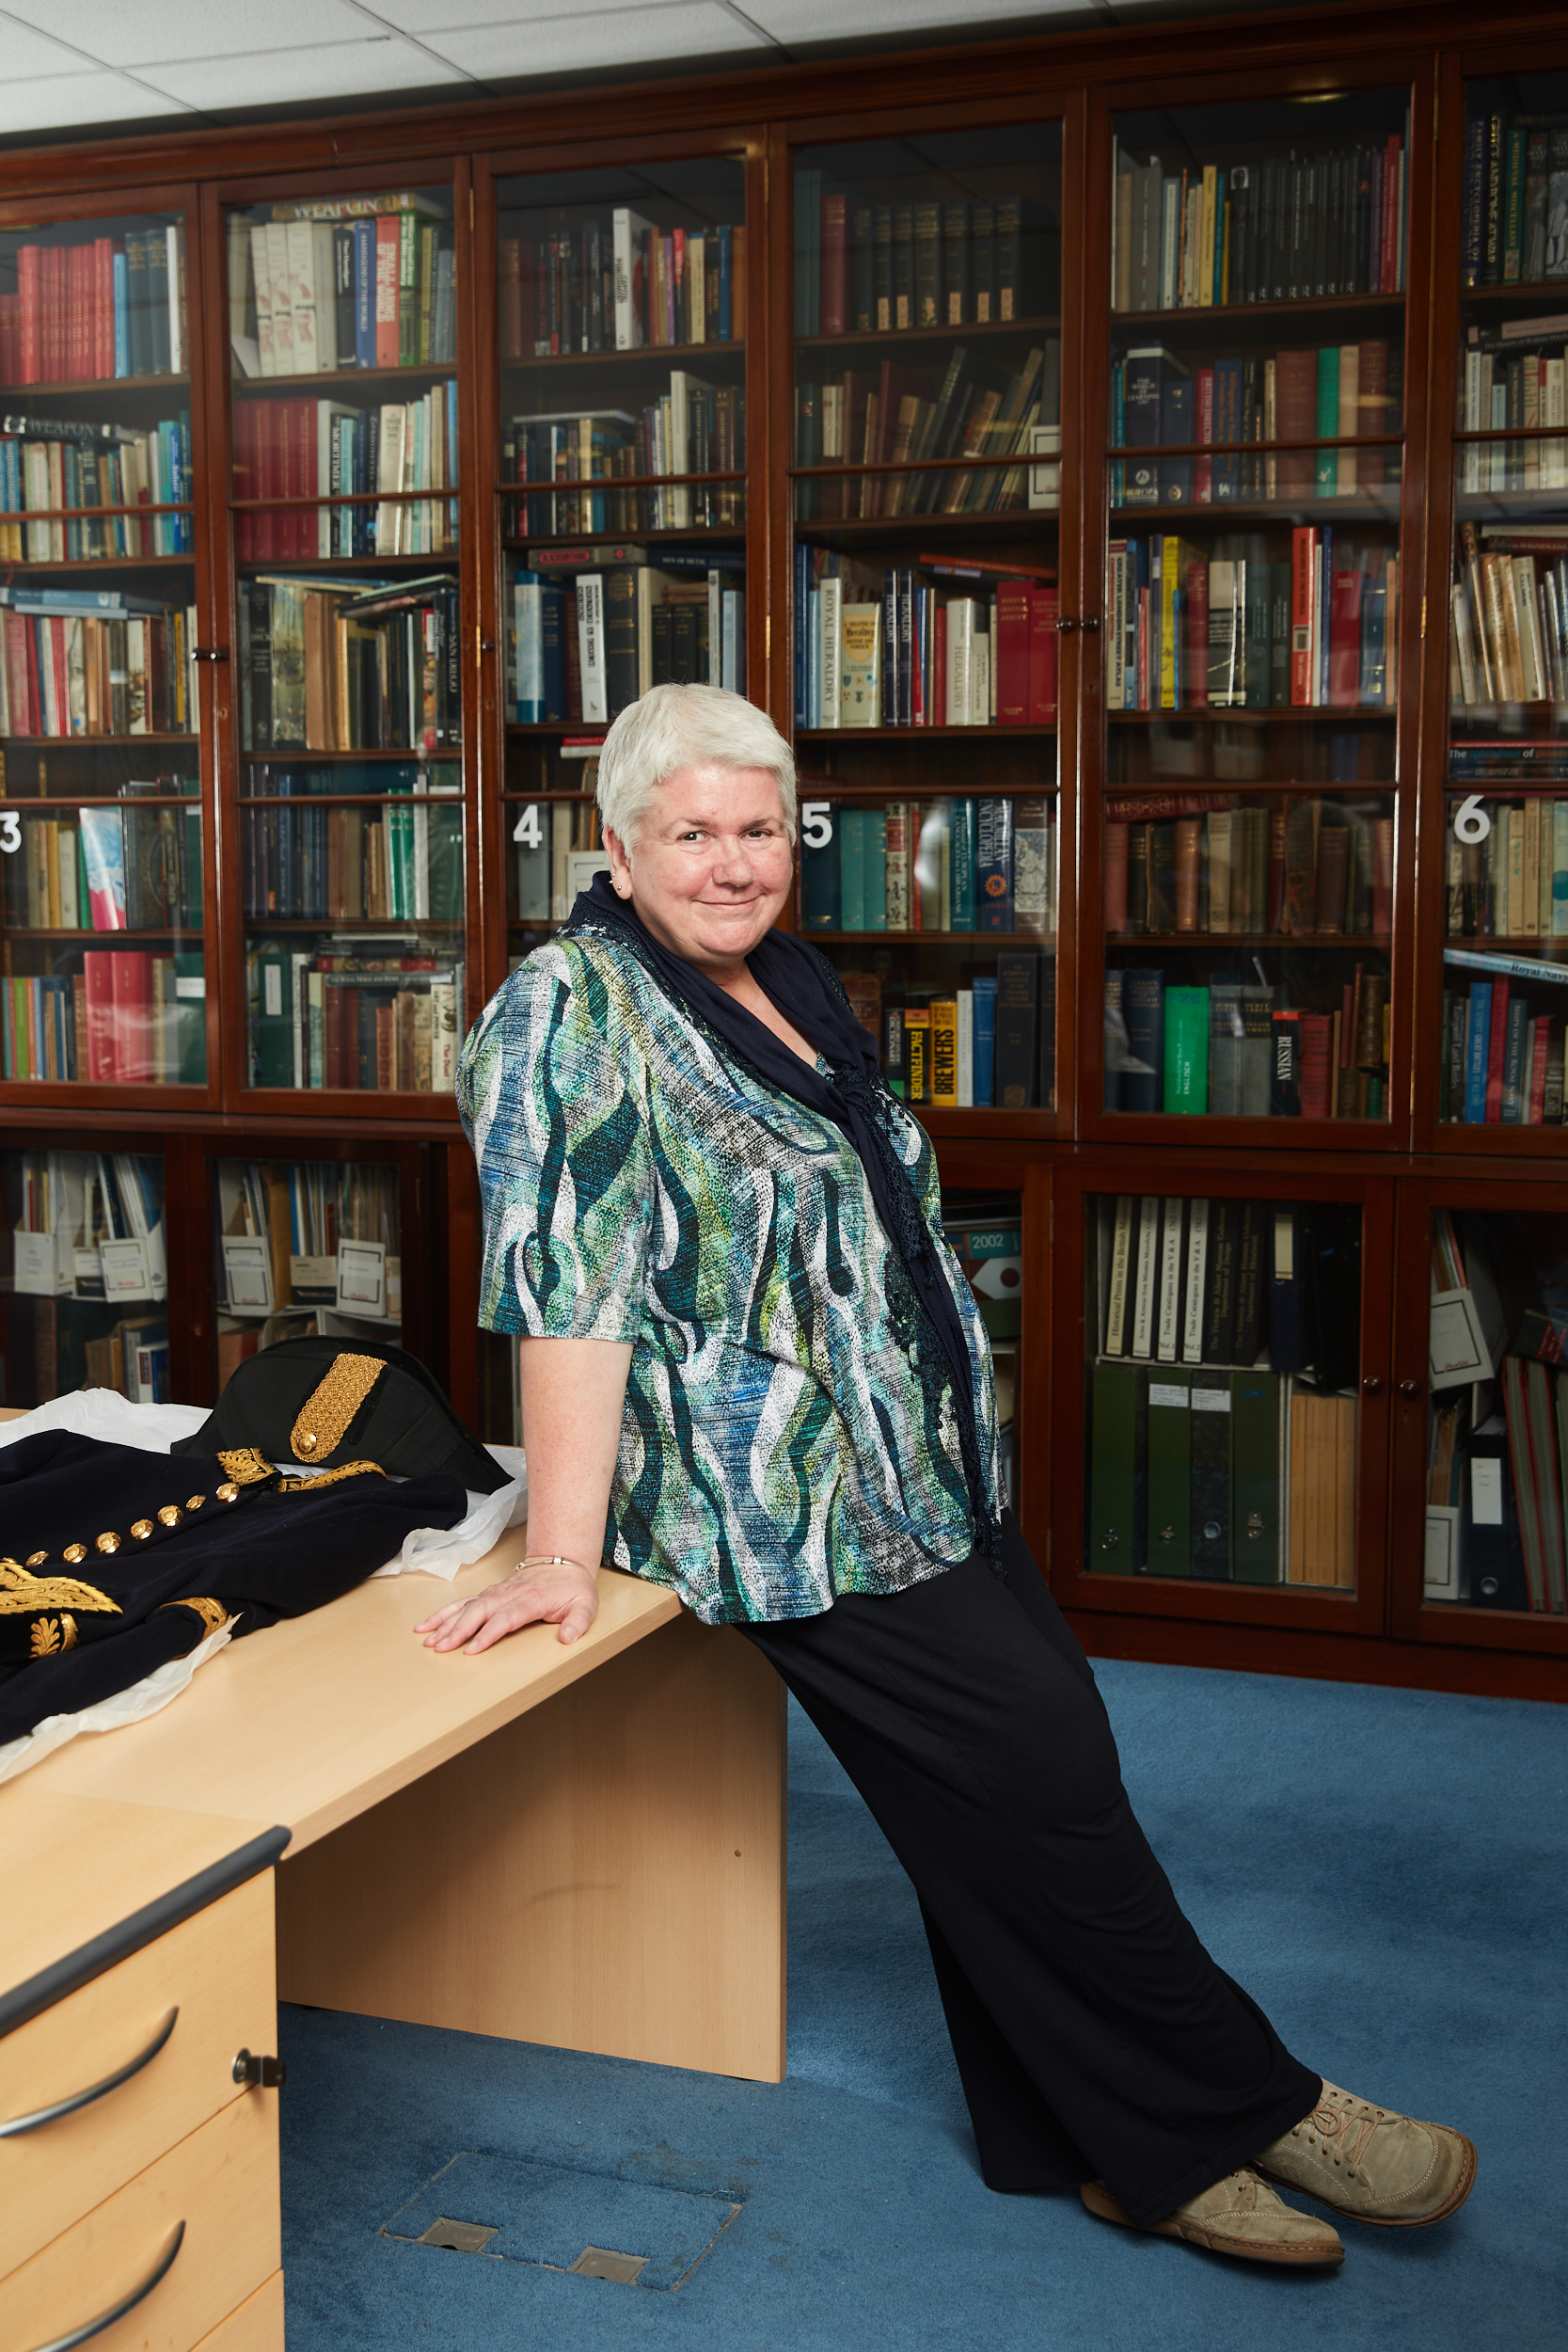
(272, 1014)
(1255, 1517)
(1113, 1540)
(1210, 1487)
(1170, 1472)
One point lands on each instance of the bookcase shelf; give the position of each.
(232, 1004)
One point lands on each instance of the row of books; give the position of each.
(313, 293)
(120, 1016)
(1513, 883)
(1342, 391)
(1226, 1283)
(89, 1224)
(1290, 228)
(891, 649)
(1231, 1048)
(1501, 1052)
(1190, 630)
(988, 1042)
(333, 666)
(863, 268)
(620, 284)
(949, 864)
(323, 449)
(47, 463)
(99, 665)
(1515, 227)
(106, 870)
(1509, 636)
(975, 409)
(560, 847)
(51, 1346)
(1301, 866)
(308, 1233)
(694, 428)
(604, 637)
(403, 862)
(381, 1016)
(1516, 377)
(98, 307)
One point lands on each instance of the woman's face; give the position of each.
(712, 864)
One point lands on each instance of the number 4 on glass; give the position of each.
(528, 829)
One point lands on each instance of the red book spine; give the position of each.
(1044, 656)
(1302, 680)
(1344, 640)
(30, 280)
(132, 997)
(104, 307)
(1495, 1045)
(1203, 468)
(1316, 1039)
(19, 675)
(97, 972)
(1539, 1052)
(58, 671)
(1196, 682)
(835, 244)
(389, 242)
(1115, 878)
(1013, 649)
(84, 361)
(54, 315)
(302, 483)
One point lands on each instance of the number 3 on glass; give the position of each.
(528, 829)
(816, 823)
(1470, 821)
(11, 832)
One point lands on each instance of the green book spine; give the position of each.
(1513, 204)
(1112, 1539)
(876, 869)
(1170, 1473)
(819, 895)
(1211, 1489)
(1254, 1477)
(1186, 1049)
(1326, 463)
(273, 1016)
(963, 853)
(851, 870)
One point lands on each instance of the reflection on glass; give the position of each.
(305, 1249)
(86, 1270)
(1222, 1383)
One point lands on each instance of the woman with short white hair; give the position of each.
(753, 1371)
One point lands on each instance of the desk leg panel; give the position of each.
(606, 1873)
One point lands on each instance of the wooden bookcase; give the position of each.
(277, 911)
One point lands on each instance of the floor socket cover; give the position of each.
(466, 2237)
(598, 2262)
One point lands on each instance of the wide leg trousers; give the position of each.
(1094, 2034)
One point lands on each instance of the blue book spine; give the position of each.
(994, 865)
(1477, 1045)
(1144, 1011)
(876, 869)
(528, 613)
(851, 870)
(819, 890)
(892, 664)
(364, 293)
(726, 283)
(985, 1039)
(1515, 1075)
(1175, 425)
(802, 633)
(1374, 674)
(962, 866)
(123, 317)
(1141, 411)
(552, 623)
(1226, 468)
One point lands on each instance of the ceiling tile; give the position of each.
(791, 20)
(25, 52)
(337, 70)
(611, 37)
(137, 32)
(55, 101)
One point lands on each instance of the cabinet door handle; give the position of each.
(210, 653)
(1065, 625)
(1371, 1386)
(16, 2124)
(90, 2328)
(1091, 624)
(1410, 1390)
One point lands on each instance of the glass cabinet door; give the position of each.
(100, 838)
(1253, 596)
(621, 488)
(926, 490)
(1505, 921)
(343, 366)
(83, 1276)
(305, 1249)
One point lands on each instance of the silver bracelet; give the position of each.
(550, 1560)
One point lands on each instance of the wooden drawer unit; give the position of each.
(256, 2326)
(214, 1975)
(221, 2184)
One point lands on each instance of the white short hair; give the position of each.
(685, 726)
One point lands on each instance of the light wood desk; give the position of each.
(576, 1844)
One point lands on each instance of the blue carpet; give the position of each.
(1386, 1870)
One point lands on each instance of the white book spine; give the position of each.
(960, 649)
(715, 630)
(1149, 1263)
(174, 246)
(680, 436)
(1121, 1250)
(596, 707)
(622, 263)
(966, 1048)
(277, 237)
(1168, 1333)
(528, 606)
(322, 233)
(1198, 1267)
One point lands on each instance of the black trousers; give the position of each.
(1094, 2034)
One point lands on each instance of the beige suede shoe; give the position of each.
(1239, 2214)
(1373, 2164)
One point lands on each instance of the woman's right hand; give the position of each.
(565, 1596)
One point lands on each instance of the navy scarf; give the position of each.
(801, 983)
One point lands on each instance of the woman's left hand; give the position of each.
(565, 1596)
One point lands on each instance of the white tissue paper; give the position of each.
(105, 1414)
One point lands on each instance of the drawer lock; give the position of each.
(261, 2074)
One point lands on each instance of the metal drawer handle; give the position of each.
(20, 2124)
(127, 2303)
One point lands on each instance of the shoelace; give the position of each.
(1344, 2132)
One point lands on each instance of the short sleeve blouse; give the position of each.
(789, 1431)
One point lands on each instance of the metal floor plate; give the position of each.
(558, 2217)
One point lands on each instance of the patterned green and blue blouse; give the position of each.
(789, 1430)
